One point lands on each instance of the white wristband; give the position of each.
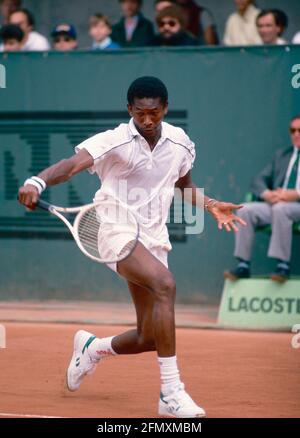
(37, 182)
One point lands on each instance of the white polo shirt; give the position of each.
(123, 158)
(36, 42)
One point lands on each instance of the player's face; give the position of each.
(267, 29)
(148, 114)
(295, 132)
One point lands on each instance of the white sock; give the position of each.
(100, 348)
(169, 374)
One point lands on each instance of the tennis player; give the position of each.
(151, 156)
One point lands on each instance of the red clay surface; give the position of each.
(98, 312)
(231, 374)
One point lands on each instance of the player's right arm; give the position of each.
(56, 174)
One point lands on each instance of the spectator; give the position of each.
(161, 4)
(296, 39)
(64, 37)
(278, 187)
(32, 40)
(269, 27)
(240, 28)
(12, 37)
(100, 31)
(133, 30)
(7, 7)
(200, 22)
(171, 26)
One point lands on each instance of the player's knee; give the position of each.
(165, 288)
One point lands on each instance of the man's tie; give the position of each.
(294, 173)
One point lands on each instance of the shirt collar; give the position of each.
(135, 132)
(103, 44)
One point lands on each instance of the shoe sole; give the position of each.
(174, 416)
(67, 375)
(73, 358)
(75, 353)
(67, 385)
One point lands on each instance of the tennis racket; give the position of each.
(105, 231)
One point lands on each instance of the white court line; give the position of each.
(4, 414)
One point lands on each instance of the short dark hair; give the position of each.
(280, 17)
(147, 86)
(29, 15)
(11, 32)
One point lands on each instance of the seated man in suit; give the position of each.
(278, 187)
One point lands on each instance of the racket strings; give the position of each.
(88, 231)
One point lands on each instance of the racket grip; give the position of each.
(43, 205)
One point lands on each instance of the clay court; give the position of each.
(230, 373)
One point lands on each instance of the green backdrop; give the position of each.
(235, 104)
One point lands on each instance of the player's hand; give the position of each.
(29, 196)
(223, 214)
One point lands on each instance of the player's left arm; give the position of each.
(222, 212)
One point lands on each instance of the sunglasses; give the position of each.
(62, 38)
(294, 130)
(170, 23)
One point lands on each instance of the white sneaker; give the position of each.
(179, 404)
(81, 363)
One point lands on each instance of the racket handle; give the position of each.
(43, 205)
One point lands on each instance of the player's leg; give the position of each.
(133, 341)
(143, 269)
(140, 339)
(153, 292)
(153, 277)
(147, 274)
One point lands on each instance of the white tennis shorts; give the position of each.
(158, 252)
